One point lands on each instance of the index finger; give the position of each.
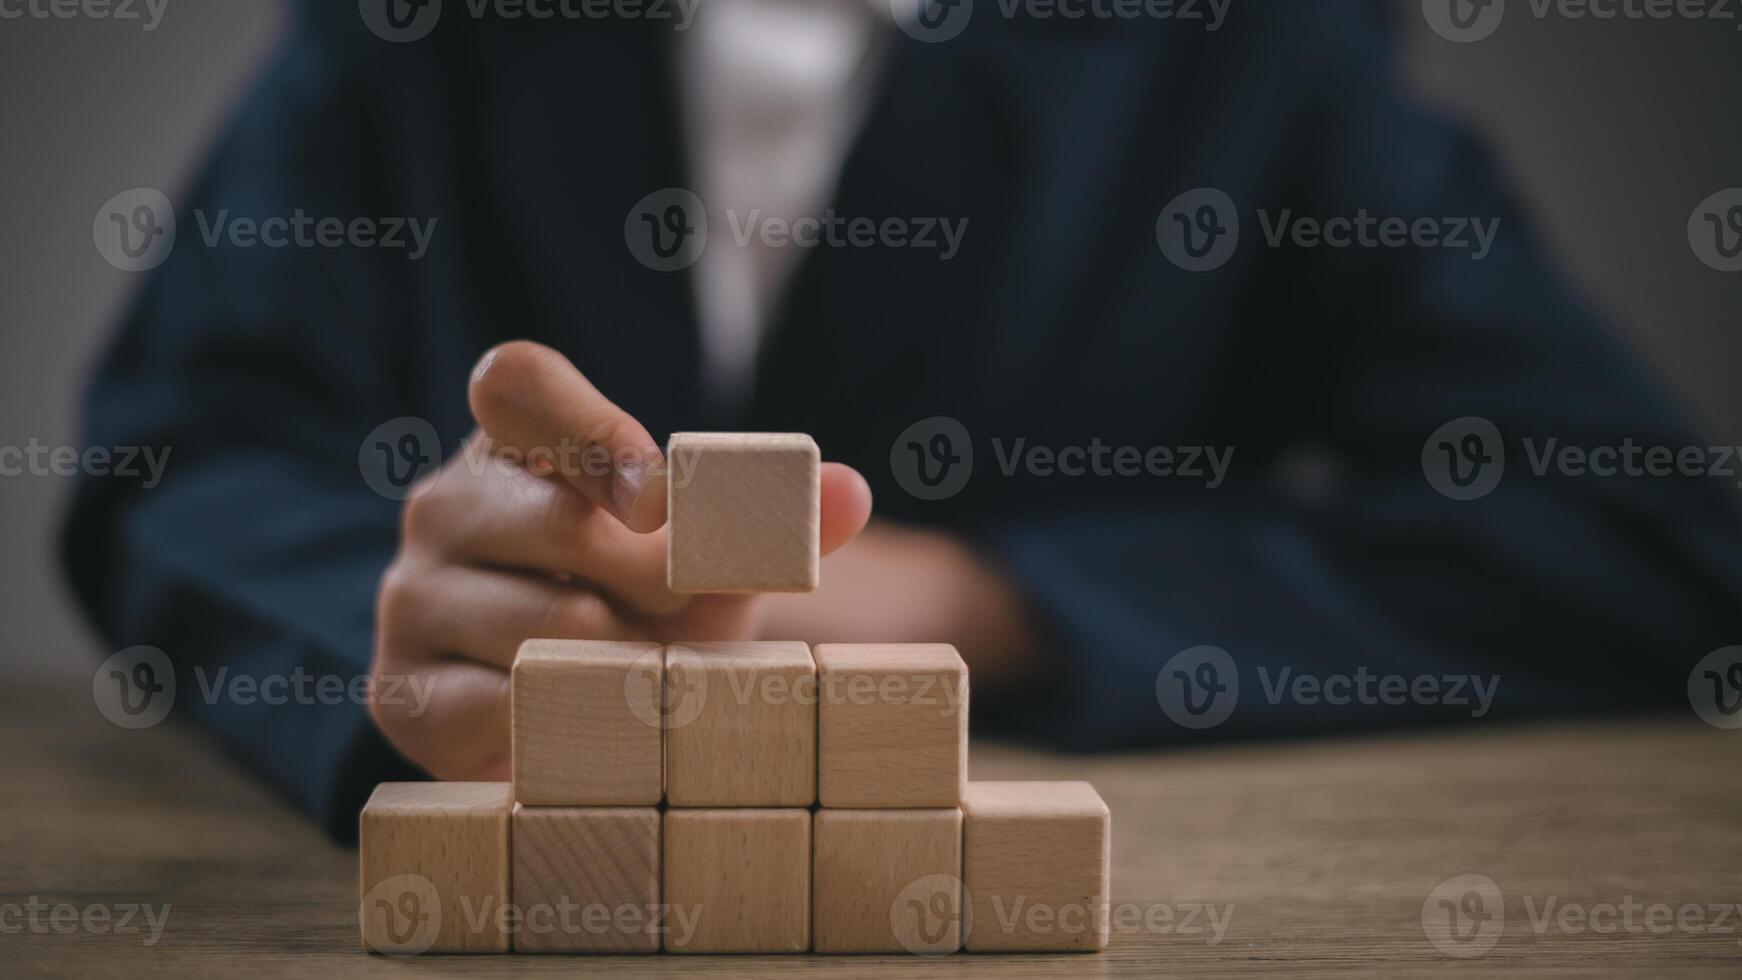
(530, 399)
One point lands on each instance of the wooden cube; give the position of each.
(433, 859)
(741, 725)
(888, 881)
(586, 879)
(892, 725)
(1035, 864)
(738, 881)
(745, 510)
(587, 723)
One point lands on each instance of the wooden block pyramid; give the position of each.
(750, 797)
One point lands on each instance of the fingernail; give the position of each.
(630, 478)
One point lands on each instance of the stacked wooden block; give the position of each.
(749, 797)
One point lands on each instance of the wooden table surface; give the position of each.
(1318, 858)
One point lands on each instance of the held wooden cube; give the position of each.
(741, 725)
(587, 723)
(744, 511)
(1035, 864)
(433, 861)
(586, 879)
(738, 881)
(888, 881)
(892, 725)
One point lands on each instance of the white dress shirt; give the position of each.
(774, 93)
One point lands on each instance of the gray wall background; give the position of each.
(1614, 131)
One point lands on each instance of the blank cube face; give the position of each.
(742, 725)
(586, 879)
(892, 725)
(1035, 864)
(587, 722)
(744, 512)
(738, 881)
(433, 861)
(888, 881)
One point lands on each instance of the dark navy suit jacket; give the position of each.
(1061, 321)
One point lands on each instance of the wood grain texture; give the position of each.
(586, 879)
(741, 878)
(1324, 849)
(892, 725)
(430, 857)
(745, 512)
(587, 723)
(1035, 863)
(742, 725)
(887, 881)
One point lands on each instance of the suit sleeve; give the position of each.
(1566, 590)
(260, 371)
